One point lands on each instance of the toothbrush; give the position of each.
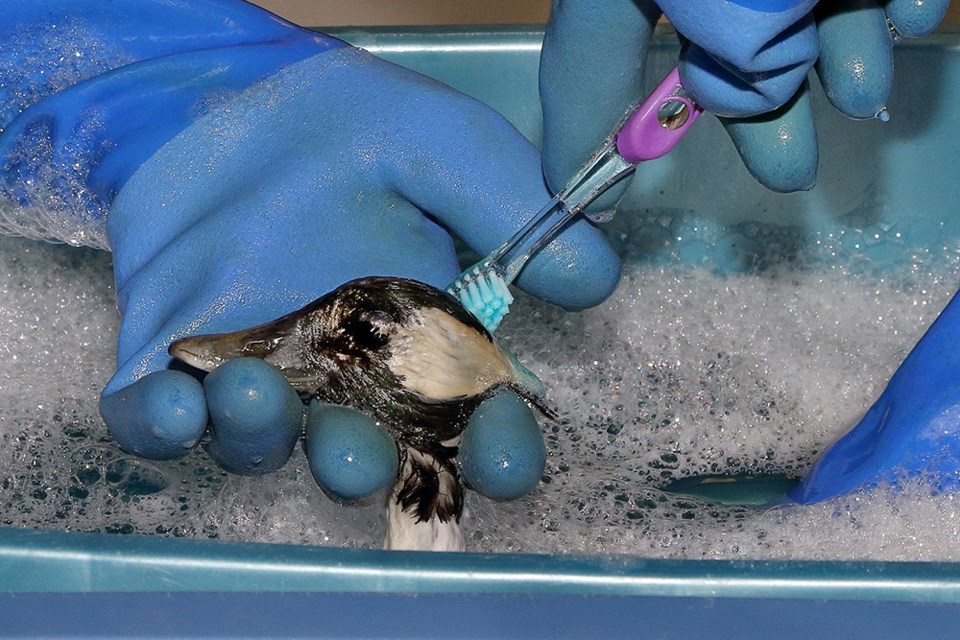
(648, 132)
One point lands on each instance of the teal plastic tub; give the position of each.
(75, 584)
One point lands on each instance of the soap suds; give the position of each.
(686, 370)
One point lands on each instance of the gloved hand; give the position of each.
(913, 429)
(739, 58)
(319, 166)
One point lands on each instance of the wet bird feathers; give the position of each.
(401, 351)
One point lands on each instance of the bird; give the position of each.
(403, 352)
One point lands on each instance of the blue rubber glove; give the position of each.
(87, 95)
(268, 167)
(744, 57)
(913, 429)
(739, 58)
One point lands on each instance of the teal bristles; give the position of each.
(484, 293)
(482, 289)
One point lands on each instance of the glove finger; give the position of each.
(847, 464)
(351, 456)
(502, 454)
(741, 60)
(727, 91)
(255, 416)
(591, 71)
(856, 57)
(913, 19)
(161, 416)
(779, 148)
(484, 185)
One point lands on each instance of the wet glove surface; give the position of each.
(738, 59)
(261, 207)
(336, 166)
(913, 429)
(88, 95)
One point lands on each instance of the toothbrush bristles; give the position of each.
(484, 293)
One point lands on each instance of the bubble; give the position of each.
(686, 371)
(39, 61)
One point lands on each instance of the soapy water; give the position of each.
(728, 352)
(42, 60)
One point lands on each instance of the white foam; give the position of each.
(682, 372)
(687, 373)
(40, 60)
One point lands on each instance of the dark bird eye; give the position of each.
(364, 332)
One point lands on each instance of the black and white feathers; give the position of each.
(405, 353)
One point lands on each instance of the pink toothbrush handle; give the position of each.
(659, 123)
